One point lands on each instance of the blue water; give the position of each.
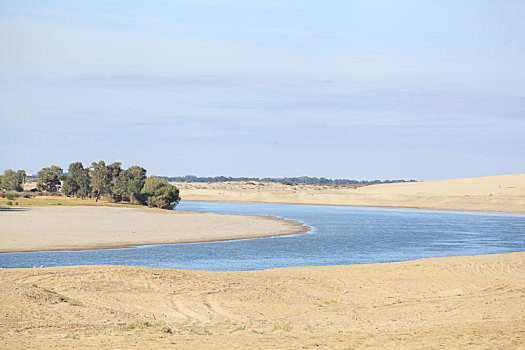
(339, 236)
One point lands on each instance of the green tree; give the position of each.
(13, 181)
(135, 179)
(129, 185)
(117, 184)
(117, 190)
(77, 181)
(100, 179)
(159, 193)
(49, 178)
(21, 179)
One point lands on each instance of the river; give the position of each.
(339, 236)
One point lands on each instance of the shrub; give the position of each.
(159, 193)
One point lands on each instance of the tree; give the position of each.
(77, 181)
(49, 178)
(100, 179)
(117, 190)
(21, 179)
(117, 184)
(159, 193)
(13, 181)
(130, 183)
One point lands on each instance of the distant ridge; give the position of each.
(502, 193)
(284, 180)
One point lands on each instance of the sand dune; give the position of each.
(475, 302)
(66, 228)
(451, 303)
(505, 193)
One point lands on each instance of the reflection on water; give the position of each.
(339, 236)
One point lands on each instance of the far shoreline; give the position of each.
(385, 207)
(502, 194)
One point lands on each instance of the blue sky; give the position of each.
(343, 89)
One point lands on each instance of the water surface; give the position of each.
(339, 236)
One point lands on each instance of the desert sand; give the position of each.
(505, 193)
(67, 228)
(475, 302)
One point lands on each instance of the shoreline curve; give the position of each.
(465, 302)
(66, 228)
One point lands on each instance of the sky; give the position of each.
(386, 89)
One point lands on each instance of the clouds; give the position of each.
(155, 81)
(257, 88)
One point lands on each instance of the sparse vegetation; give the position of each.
(59, 297)
(285, 327)
(141, 325)
(136, 325)
(240, 328)
(166, 329)
(101, 182)
(193, 330)
(53, 200)
(72, 336)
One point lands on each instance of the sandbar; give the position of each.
(83, 227)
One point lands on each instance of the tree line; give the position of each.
(285, 180)
(111, 182)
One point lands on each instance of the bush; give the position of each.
(159, 193)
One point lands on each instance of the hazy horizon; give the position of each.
(339, 89)
(86, 165)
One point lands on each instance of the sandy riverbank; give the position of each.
(66, 228)
(505, 193)
(452, 303)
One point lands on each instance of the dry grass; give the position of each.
(50, 201)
